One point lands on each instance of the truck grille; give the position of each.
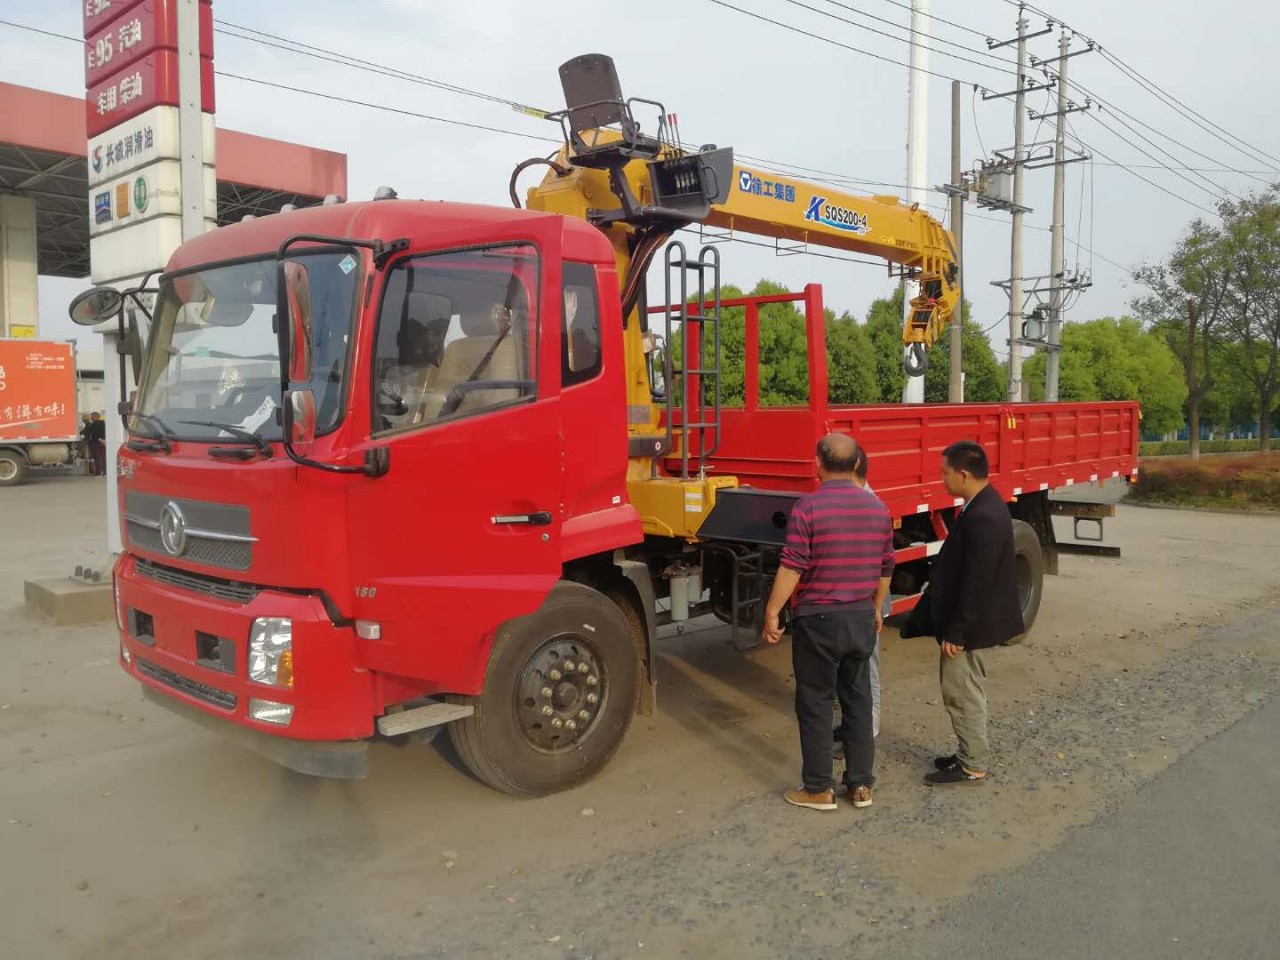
(214, 534)
(228, 590)
(213, 553)
(192, 688)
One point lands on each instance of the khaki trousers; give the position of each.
(964, 693)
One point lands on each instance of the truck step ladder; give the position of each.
(698, 374)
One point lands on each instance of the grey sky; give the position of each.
(734, 80)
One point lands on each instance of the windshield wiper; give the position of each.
(238, 433)
(158, 439)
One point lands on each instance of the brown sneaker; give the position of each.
(860, 796)
(826, 800)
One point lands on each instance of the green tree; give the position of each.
(1109, 359)
(983, 380)
(1251, 229)
(1186, 305)
(1233, 399)
(851, 362)
(884, 327)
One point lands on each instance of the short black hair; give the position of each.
(860, 465)
(967, 455)
(838, 453)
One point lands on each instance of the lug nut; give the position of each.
(583, 668)
(592, 681)
(568, 666)
(547, 711)
(570, 725)
(554, 674)
(558, 723)
(546, 693)
(584, 716)
(592, 699)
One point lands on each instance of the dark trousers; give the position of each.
(98, 450)
(831, 653)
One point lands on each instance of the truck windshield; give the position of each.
(212, 353)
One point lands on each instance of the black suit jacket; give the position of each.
(972, 598)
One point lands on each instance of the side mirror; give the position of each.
(300, 417)
(96, 305)
(296, 295)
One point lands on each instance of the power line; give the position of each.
(332, 56)
(1150, 156)
(1008, 66)
(1178, 106)
(384, 107)
(834, 43)
(1171, 139)
(950, 23)
(1137, 77)
(321, 53)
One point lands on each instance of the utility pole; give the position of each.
(1014, 203)
(955, 380)
(917, 153)
(1059, 283)
(1015, 243)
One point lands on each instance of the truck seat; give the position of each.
(463, 356)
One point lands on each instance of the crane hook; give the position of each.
(915, 361)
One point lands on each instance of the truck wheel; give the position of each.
(1028, 560)
(558, 696)
(13, 468)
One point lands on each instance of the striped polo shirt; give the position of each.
(840, 541)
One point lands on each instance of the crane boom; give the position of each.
(906, 236)
(640, 189)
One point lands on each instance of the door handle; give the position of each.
(541, 518)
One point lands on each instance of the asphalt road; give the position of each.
(1187, 867)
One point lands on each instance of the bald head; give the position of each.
(837, 455)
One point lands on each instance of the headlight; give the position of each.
(271, 651)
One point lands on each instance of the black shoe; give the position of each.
(943, 762)
(952, 774)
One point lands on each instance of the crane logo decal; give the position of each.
(833, 215)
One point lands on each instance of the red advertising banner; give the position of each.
(149, 82)
(146, 27)
(99, 13)
(37, 391)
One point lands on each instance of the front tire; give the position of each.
(558, 698)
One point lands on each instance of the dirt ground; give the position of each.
(126, 833)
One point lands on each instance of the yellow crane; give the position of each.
(639, 189)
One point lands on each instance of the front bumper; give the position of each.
(187, 641)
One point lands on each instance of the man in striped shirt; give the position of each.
(835, 571)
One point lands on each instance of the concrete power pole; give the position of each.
(955, 380)
(917, 152)
(1057, 264)
(1015, 244)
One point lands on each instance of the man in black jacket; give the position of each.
(973, 595)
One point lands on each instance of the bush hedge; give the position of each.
(1237, 482)
(1181, 448)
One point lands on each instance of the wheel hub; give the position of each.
(560, 694)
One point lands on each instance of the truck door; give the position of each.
(463, 532)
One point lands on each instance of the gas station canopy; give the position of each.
(42, 156)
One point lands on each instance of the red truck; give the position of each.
(39, 425)
(397, 465)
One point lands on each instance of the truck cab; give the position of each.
(272, 576)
